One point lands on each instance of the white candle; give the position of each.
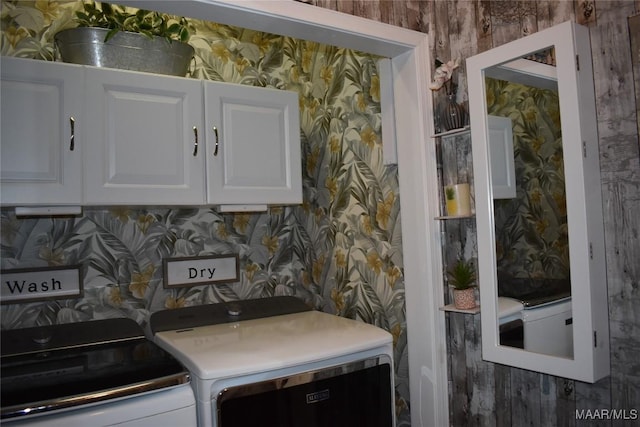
(463, 199)
(458, 200)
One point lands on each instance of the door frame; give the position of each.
(410, 63)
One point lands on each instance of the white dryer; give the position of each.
(548, 328)
(274, 362)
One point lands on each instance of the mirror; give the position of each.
(541, 264)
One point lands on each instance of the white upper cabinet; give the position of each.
(146, 139)
(500, 146)
(41, 145)
(253, 145)
(143, 139)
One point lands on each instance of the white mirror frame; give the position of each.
(584, 205)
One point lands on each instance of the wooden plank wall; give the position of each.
(634, 31)
(487, 394)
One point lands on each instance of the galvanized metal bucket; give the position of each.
(125, 50)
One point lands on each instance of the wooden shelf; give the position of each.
(452, 308)
(452, 132)
(451, 166)
(446, 217)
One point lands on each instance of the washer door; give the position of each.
(355, 394)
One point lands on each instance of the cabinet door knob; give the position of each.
(195, 141)
(215, 131)
(72, 138)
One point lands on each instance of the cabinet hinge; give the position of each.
(584, 149)
(595, 339)
(578, 62)
(590, 250)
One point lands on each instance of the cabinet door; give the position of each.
(503, 175)
(143, 139)
(253, 145)
(40, 141)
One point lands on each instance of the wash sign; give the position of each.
(36, 284)
(192, 271)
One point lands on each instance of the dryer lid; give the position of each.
(260, 345)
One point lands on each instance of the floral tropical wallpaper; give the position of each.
(531, 229)
(340, 251)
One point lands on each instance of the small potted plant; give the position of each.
(450, 195)
(112, 36)
(462, 277)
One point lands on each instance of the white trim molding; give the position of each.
(409, 54)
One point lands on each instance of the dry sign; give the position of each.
(192, 271)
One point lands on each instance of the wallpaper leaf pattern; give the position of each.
(340, 251)
(531, 230)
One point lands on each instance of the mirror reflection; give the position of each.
(530, 205)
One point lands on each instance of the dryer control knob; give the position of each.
(234, 309)
(41, 337)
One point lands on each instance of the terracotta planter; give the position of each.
(464, 299)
